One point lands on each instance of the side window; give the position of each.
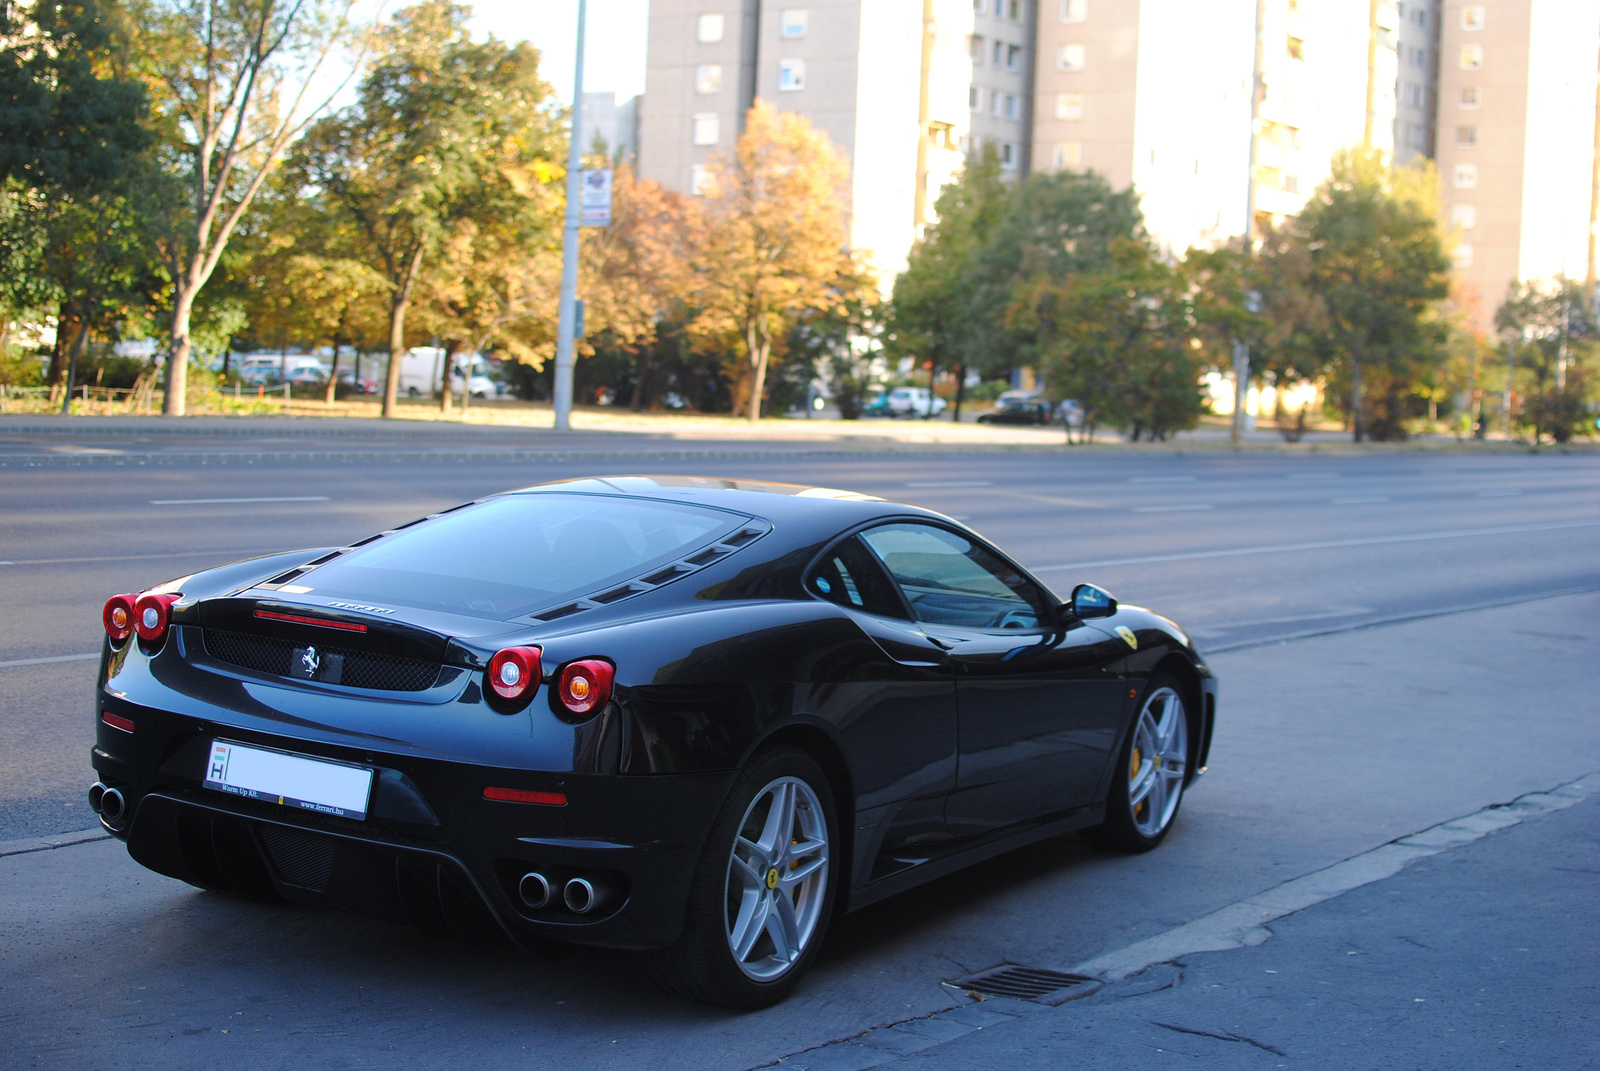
(850, 576)
(950, 580)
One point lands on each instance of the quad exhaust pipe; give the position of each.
(588, 893)
(107, 802)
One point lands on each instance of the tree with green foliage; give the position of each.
(1054, 225)
(1376, 261)
(1548, 335)
(1120, 338)
(445, 130)
(234, 84)
(929, 317)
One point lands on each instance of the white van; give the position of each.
(422, 366)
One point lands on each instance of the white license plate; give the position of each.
(289, 780)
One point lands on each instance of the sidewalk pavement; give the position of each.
(1484, 956)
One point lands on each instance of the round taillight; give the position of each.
(514, 672)
(585, 685)
(118, 618)
(151, 616)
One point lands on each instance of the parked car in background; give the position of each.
(352, 383)
(269, 368)
(914, 402)
(422, 370)
(1019, 411)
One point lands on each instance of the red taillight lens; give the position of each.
(585, 685)
(523, 795)
(151, 616)
(514, 672)
(118, 617)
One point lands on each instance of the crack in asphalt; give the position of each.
(1220, 1036)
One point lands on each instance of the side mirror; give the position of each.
(1089, 601)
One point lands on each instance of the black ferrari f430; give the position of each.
(687, 717)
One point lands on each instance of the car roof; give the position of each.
(773, 501)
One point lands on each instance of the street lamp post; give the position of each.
(1241, 351)
(565, 327)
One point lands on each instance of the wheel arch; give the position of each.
(827, 753)
(1194, 700)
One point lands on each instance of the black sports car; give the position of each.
(682, 716)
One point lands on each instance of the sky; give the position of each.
(613, 58)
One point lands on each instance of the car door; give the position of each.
(1037, 707)
(894, 706)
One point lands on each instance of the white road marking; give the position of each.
(1323, 544)
(1498, 494)
(1314, 476)
(1342, 611)
(1171, 509)
(223, 555)
(1360, 500)
(1244, 923)
(952, 483)
(230, 501)
(1161, 479)
(46, 661)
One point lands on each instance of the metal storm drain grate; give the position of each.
(1029, 983)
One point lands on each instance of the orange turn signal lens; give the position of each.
(585, 685)
(118, 617)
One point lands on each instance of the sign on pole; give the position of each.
(595, 204)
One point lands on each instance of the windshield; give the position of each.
(516, 554)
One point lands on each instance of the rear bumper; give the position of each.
(432, 851)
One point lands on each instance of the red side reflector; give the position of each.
(116, 721)
(523, 795)
(320, 622)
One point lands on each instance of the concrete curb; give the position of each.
(55, 840)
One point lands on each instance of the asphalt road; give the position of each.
(1401, 638)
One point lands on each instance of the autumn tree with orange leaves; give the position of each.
(776, 242)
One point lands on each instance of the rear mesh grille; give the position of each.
(335, 665)
(300, 857)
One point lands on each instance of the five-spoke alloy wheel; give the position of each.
(763, 891)
(1149, 781)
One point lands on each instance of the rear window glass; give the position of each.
(516, 554)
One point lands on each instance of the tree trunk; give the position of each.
(333, 376)
(65, 321)
(444, 379)
(1355, 392)
(72, 365)
(961, 390)
(175, 400)
(466, 382)
(641, 369)
(760, 349)
(398, 303)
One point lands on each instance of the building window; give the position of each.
(1291, 182)
(1472, 57)
(1070, 57)
(975, 98)
(701, 183)
(708, 30)
(1013, 57)
(1472, 17)
(1463, 216)
(1466, 176)
(1008, 155)
(1069, 106)
(708, 78)
(1014, 10)
(792, 23)
(999, 53)
(1464, 255)
(977, 7)
(1012, 108)
(1069, 154)
(1074, 10)
(1297, 48)
(791, 74)
(1468, 98)
(705, 128)
(1466, 137)
(975, 48)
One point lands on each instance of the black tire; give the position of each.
(1128, 827)
(702, 965)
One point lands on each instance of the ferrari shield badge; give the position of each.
(1128, 637)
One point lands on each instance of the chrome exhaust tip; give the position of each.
(96, 792)
(535, 890)
(112, 806)
(582, 896)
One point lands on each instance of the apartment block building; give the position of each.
(1516, 146)
(1156, 94)
(886, 81)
